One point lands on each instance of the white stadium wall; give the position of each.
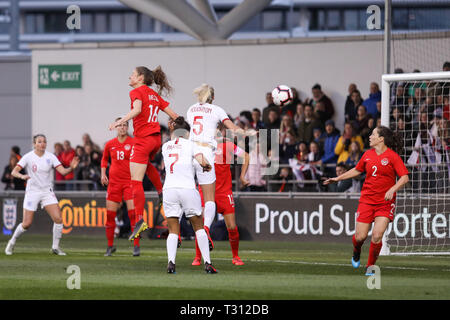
(241, 72)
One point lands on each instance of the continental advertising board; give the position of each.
(258, 218)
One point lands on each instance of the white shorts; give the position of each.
(205, 177)
(33, 198)
(177, 201)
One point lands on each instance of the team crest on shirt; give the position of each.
(34, 167)
(384, 161)
(48, 161)
(127, 147)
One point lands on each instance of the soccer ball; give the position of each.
(282, 95)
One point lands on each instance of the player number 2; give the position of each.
(374, 173)
(153, 114)
(176, 159)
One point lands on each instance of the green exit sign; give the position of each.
(59, 76)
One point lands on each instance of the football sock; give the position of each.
(374, 251)
(132, 217)
(233, 236)
(154, 177)
(357, 245)
(138, 198)
(110, 226)
(57, 234)
(203, 244)
(172, 243)
(17, 233)
(198, 253)
(209, 213)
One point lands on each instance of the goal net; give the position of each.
(416, 106)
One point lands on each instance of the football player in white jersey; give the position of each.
(203, 118)
(39, 165)
(180, 195)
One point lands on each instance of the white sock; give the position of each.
(17, 233)
(57, 234)
(203, 244)
(172, 245)
(210, 213)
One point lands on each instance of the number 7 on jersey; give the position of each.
(176, 159)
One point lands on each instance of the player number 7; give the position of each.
(176, 159)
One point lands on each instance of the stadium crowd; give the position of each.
(311, 147)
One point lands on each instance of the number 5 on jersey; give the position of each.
(176, 159)
(198, 124)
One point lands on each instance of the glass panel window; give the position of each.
(87, 25)
(333, 20)
(146, 24)
(101, 22)
(272, 20)
(351, 20)
(115, 22)
(130, 22)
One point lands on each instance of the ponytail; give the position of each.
(204, 93)
(391, 139)
(156, 76)
(180, 127)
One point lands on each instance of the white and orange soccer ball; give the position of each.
(282, 95)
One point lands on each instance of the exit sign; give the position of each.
(59, 76)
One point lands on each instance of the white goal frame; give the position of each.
(386, 80)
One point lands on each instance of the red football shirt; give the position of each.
(381, 173)
(146, 123)
(119, 171)
(224, 157)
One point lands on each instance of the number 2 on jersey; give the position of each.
(176, 159)
(374, 173)
(153, 117)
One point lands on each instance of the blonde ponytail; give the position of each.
(204, 93)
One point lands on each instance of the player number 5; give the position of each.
(199, 124)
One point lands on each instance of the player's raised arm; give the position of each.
(348, 175)
(137, 109)
(172, 114)
(73, 165)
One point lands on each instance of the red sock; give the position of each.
(357, 245)
(154, 177)
(132, 217)
(198, 253)
(138, 198)
(110, 225)
(374, 251)
(233, 236)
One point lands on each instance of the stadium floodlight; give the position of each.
(416, 106)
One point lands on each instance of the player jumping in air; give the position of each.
(180, 194)
(39, 165)
(224, 156)
(382, 165)
(145, 106)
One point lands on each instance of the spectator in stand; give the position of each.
(332, 137)
(15, 151)
(274, 120)
(318, 95)
(305, 128)
(362, 122)
(78, 172)
(319, 138)
(270, 106)
(287, 125)
(378, 104)
(374, 97)
(354, 155)
(446, 108)
(314, 155)
(88, 141)
(343, 145)
(284, 176)
(254, 174)
(302, 154)
(320, 112)
(12, 183)
(256, 119)
(288, 147)
(350, 108)
(400, 100)
(95, 170)
(372, 124)
(300, 114)
(343, 185)
(291, 108)
(58, 147)
(67, 156)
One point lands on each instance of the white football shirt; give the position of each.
(203, 119)
(40, 170)
(178, 155)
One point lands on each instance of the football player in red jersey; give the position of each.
(224, 156)
(382, 165)
(145, 106)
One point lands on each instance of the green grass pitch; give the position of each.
(272, 270)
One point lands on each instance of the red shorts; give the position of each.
(224, 202)
(144, 149)
(118, 191)
(366, 213)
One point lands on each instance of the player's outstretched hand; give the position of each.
(389, 195)
(244, 182)
(74, 163)
(26, 177)
(114, 125)
(330, 180)
(104, 180)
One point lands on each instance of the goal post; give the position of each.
(416, 106)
